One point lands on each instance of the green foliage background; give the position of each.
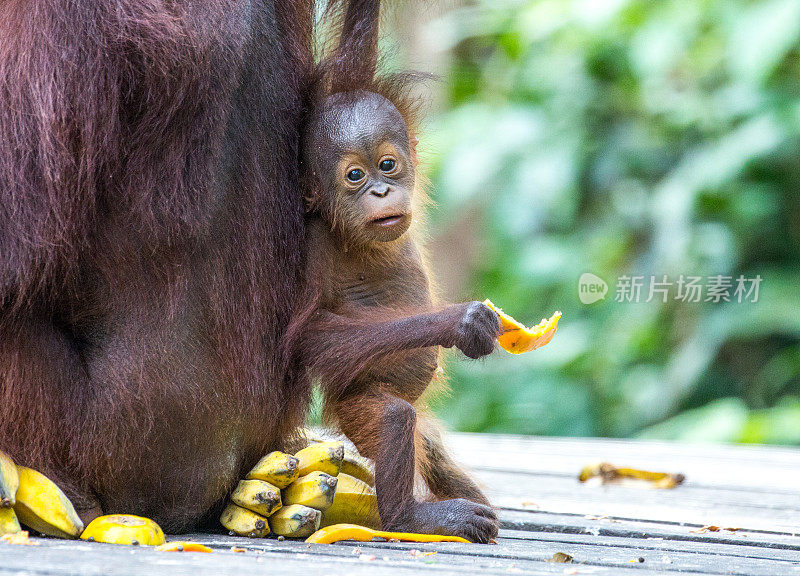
(622, 137)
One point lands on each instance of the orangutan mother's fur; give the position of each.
(150, 243)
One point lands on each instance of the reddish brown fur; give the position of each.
(370, 330)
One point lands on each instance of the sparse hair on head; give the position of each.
(347, 67)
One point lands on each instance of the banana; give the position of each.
(257, 496)
(244, 522)
(8, 521)
(42, 506)
(277, 468)
(354, 503)
(315, 490)
(124, 529)
(9, 481)
(295, 521)
(321, 457)
(359, 467)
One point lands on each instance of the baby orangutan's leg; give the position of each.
(382, 427)
(445, 479)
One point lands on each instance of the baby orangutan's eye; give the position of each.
(355, 175)
(387, 165)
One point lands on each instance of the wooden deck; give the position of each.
(606, 529)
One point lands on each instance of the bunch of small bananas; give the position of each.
(294, 496)
(31, 497)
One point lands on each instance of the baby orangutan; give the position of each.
(372, 338)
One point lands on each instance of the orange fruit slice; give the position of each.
(516, 338)
(183, 546)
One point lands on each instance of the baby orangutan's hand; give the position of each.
(476, 329)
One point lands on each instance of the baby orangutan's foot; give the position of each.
(459, 517)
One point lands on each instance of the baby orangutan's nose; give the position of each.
(381, 191)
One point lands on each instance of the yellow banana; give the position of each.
(354, 503)
(124, 529)
(277, 468)
(321, 457)
(42, 506)
(8, 521)
(295, 521)
(315, 490)
(359, 467)
(244, 522)
(257, 496)
(9, 481)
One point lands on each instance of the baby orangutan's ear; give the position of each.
(311, 198)
(412, 142)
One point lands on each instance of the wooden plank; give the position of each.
(517, 550)
(624, 553)
(649, 547)
(730, 486)
(510, 556)
(690, 504)
(606, 529)
(510, 484)
(100, 559)
(540, 521)
(756, 468)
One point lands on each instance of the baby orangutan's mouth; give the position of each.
(389, 219)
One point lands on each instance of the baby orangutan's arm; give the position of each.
(339, 348)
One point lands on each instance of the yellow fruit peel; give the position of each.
(183, 546)
(339, 532)
(610, 474)
(517, 339)
(124, 529)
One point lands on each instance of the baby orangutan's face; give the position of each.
(363, 159)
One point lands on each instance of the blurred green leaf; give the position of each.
(720, 421)
(623, 137)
